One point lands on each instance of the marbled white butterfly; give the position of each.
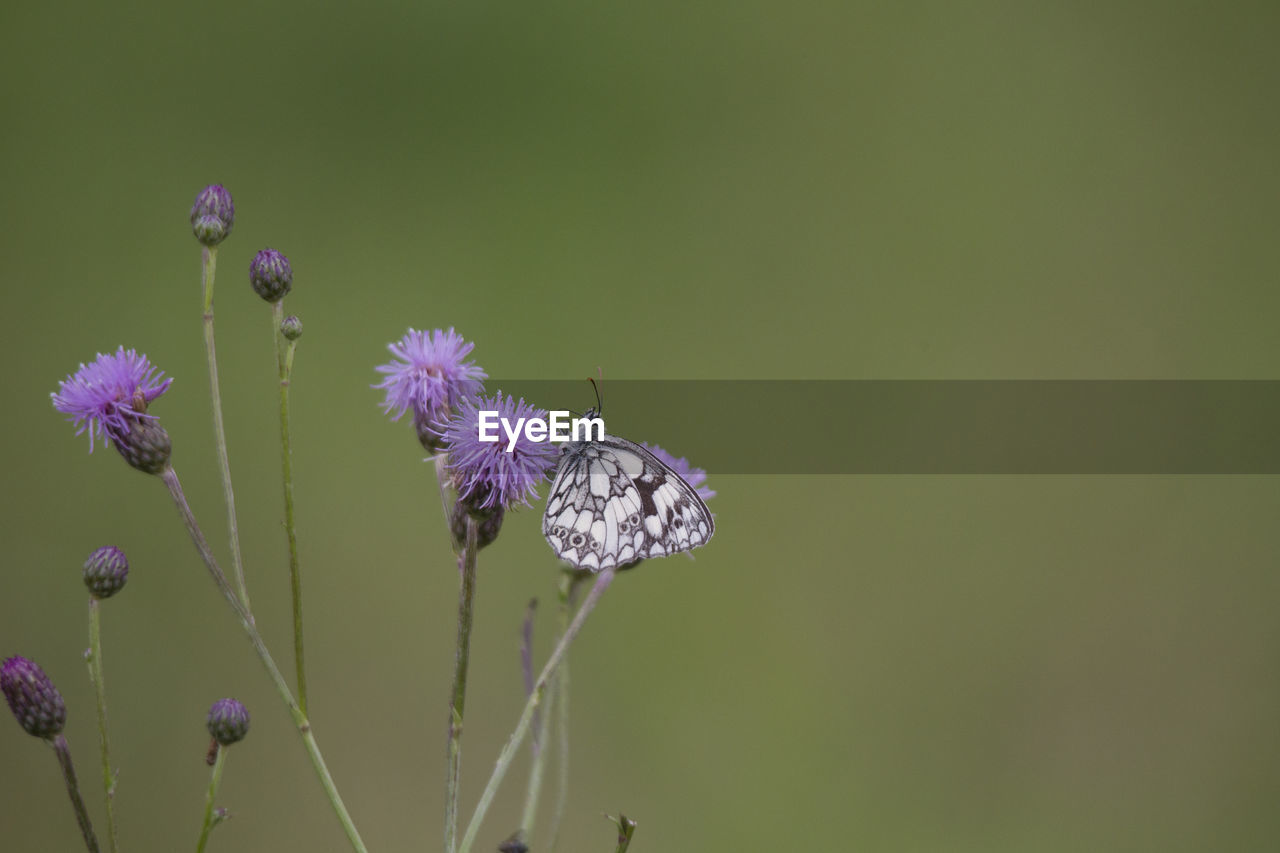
(613, 503)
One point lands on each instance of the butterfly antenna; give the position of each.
(596, 387)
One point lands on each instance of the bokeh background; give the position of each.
(664, 190)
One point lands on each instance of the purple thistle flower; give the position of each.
(111, 394)
(429, 378)
(228, 721)
(486, 474)
(32, 697)
(695, 477)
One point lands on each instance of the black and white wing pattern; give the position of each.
(613, 503)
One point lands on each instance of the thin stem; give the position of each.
(542, 728)
(215, 779)
(441, 464)
(100, 691)
(626, 829)
(466, 610)
(568, 583)
(526, 666)
(300, 720)
(219, 432)
(284, 367)
(60, 748)
(512, 746)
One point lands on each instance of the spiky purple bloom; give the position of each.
(429, 378)
(695, 477)
(213, 215)
(110, 395)
(32, 697)
(228, 721)
(270, 275)
(105, 571)
(486, 474)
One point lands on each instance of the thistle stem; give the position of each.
(300, 720)
(512, 746)
(219, 432)
(541, 729)
(215, 779)
(466, 610)
(568, 584)
(441, 463)
(626, 829)
(63, 752)
(100, 693)
(284, 366)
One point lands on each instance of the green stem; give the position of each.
(63, 752)
(219, 432)
(512, 746)
(300, 720)
(626, 829)
(441, 464)
(215, 778)
(536, 768)
(568, 583)
(466, 610)
(100, 692)
(284, 367)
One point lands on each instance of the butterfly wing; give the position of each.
(613, 502)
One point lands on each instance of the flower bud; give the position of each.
(213, 215)
(145, 446)
(228, 721)
(32, 697)
(270, 275)
(105, 571)
(291, 328)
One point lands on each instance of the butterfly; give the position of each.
(614, 503)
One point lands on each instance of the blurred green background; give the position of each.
(664, 190)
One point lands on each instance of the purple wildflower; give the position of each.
(695, 477)
(111, 394)
(32, 697)
(228, 721)
(486, 474)
(429, 378)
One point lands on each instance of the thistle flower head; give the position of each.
(32, 697)
(109, 396)
(213, 215)
(106, 571)
(270, 275)
(695, 477)
(228, 721)
(429, 378)
(486, 474)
